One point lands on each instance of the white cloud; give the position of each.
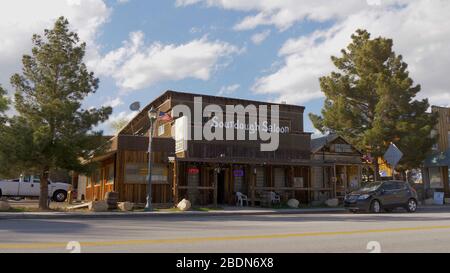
(136, 65)
(421, 33)
(284, 13)
(20, 19)
(107, 127)
(113, 102)
(228, 90)
(260, 37)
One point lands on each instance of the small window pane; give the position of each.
(435, 178)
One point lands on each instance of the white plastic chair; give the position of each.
(240, 198)
(275, 198)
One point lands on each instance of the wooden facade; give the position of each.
(341, 171)
(212, 172)
(436, 171)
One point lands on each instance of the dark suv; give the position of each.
(385, 195)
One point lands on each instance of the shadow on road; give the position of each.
(44, 226)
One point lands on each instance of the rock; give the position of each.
(184, 205)
(98, 206)
(293, 203)
(125, 206)
(4, 206)
(332, 202)
(429, 202)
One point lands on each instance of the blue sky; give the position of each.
(265, 50)
(162, 21)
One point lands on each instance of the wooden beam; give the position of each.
(253, 185)
(215, 186)
(175, 181)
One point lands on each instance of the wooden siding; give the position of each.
(443, 127)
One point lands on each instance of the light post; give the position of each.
(152, 115)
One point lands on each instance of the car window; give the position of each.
(389, 186)
(400, 185)
(36, 180)
(26, 179)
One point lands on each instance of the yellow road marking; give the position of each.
(208, 239)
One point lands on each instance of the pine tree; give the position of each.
(55, 131)
(371, 102)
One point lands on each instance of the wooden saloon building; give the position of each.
(204, 172)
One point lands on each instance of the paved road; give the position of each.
(340, 232)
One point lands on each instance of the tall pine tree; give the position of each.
(56, 132)
(371, 102)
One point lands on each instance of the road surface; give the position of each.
(340, 232)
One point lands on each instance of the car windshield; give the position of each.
(371, 186)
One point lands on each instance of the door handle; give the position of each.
(32, 185)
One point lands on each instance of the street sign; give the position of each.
(393, 155)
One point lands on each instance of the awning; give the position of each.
(438, 159)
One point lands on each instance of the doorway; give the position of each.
(221, 187)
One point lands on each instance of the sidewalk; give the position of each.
(225, 213)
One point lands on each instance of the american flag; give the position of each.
(165, 117)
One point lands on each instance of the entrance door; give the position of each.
(221, 187)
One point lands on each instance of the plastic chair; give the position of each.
(275, 198)
(240, 198)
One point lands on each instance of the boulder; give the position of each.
(4, 206)
(428, 202)
(98, 206)
(184, 205)
(332, 202)
(125, 206)
(293, 203)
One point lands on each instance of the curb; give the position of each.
(111, 215)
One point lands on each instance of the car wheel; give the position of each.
(375, 206)
(411, 206)
(60, 196)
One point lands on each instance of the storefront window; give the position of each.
(448, 140)
(435, 178)
(97, 177)
(136, 173)
(110, 177)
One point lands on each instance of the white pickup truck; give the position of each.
(29, 186)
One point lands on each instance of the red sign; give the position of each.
(193, 171)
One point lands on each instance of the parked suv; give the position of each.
(385, 195)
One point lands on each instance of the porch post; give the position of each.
(215, 186)
(175, 181)
(253, 185)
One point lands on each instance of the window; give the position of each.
(400, 185)
(389, 186)
(97, 177)
(448, 139)
(110, 178)
(161, 130)
(342, 148)
(435, 178)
